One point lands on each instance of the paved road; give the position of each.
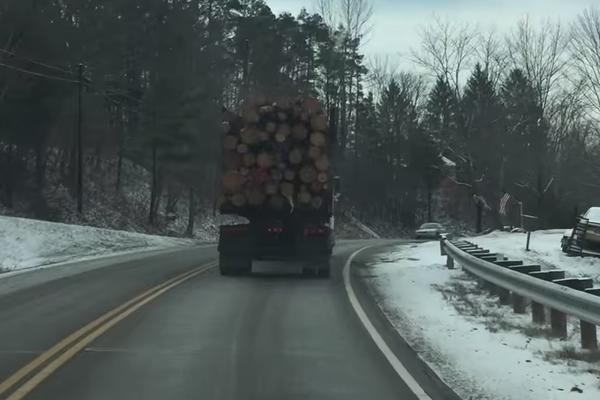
(268, 336)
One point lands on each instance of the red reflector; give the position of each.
(275, 230)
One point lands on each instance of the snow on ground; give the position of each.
(544, 250)
(26, 243)
(481, 349)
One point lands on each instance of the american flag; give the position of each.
(503, 203)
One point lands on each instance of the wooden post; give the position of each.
(442, 249)
(588, 336)
(504, 296)
(450, 262)
(588, 331)
(521, 209)
(528, 240)
(558, 322)
(538, 315)
(508, 263)
(477, 251)
(490, 257)
(519, 304)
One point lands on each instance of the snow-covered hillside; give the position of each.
(544, 250)
(26, 243)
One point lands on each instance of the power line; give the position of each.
(38, 74)
(53, 67)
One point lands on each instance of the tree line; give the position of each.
(486, 114)
(515, 113)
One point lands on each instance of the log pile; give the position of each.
(275, 155)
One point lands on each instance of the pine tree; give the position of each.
(481, 139)
(521, 116)
(482, 130)
(441, 114)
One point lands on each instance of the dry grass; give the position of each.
(569, 352)
(472, 298)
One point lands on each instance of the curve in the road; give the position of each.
(394, 361)
(263, 337)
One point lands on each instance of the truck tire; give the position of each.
(234, 265)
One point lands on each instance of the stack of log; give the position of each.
(275, 155)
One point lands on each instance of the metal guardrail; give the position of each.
(560, 299)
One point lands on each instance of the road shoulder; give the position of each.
(418, 368)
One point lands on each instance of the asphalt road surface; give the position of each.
(271, 335)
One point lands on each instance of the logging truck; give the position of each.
(277, 174)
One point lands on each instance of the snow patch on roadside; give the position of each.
(26, 243)
(544, 250)
(482, 350)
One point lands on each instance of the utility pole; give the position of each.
(80, 142)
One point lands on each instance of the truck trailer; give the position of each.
(277, 173)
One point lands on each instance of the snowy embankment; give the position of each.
(478, 347)
(544, 250)
(26, 243)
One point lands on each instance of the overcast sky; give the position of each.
(396, 22)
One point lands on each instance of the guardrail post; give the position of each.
(442, 249)
(504, 296)
(450, 262)
(538, 316)
(588, 331)
(558, 323)
(503, 293)
(519, 303)
(537, 310)
(579, 284)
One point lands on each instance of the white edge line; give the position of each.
(396, 364)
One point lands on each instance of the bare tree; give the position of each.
(585, 53)
(446, 49)
(412, 86)
(327, 9)
(541, 54)
(491, 52)
(381, 72)
(354, 16)
(567, 113)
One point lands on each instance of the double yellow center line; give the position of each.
(59, 354)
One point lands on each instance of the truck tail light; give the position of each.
(275, 229)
